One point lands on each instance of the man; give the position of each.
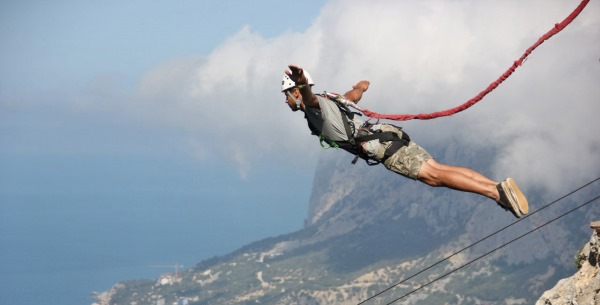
(329, 119)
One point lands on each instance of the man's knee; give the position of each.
(429, 175)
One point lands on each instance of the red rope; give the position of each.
(427, 116)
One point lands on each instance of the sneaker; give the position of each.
(516, 192)
(506, 201)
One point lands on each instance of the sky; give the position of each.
(91, 99)
(176, 103)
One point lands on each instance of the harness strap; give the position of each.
(394, 147)
(383, 137)
(352, 145)
(387, 136)
(349, 131)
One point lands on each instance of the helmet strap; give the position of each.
(297, 101)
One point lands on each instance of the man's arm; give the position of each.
(357, 91)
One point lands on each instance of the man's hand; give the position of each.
(363, 85)
(297, 75)
(357, 91)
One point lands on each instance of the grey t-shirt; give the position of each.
(328, 120)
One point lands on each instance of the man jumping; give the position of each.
(331, 120)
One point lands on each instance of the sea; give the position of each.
(62, 240)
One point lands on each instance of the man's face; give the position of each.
(289, 100)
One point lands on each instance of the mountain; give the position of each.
(583, 287)
(368, 229)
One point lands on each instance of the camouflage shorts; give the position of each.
(408, 160)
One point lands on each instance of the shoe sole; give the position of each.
(521, 200)
(511, 204)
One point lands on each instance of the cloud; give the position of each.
(230, 100)
(420, 56)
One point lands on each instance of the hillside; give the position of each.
(583, 287)
(368, 229)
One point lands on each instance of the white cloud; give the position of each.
(420, 56)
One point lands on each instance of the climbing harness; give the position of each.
(365, 133)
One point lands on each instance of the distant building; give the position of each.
(166, 279)
(183, 301)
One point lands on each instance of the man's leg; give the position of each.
(506, 194)
(459, 178)
(463, 170)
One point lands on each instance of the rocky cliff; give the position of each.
(368, 230)
(583, 288)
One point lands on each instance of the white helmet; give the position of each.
(288, 83)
